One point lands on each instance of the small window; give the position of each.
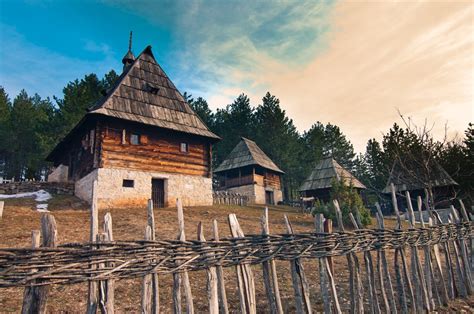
(134, 139)
(128, 183)
(184, 148)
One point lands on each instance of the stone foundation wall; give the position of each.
(248, 190)
(59, 174)
(192, 190)
(33, 186)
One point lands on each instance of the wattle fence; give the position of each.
(432, 264)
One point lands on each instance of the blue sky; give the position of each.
(354, 64)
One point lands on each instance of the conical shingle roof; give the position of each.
(327, 170)
(247, 153)
(145, 94)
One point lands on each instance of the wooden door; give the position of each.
(269, 198)
(158, 193)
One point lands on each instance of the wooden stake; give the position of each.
(300, 284)
(211, 280)
(244, 274)
(154, 276)
(184, 275)
(2, 204)
(270, 275)
(220, 276)
(36, 297)
(92, 298)
(147, 285)
(323, 276)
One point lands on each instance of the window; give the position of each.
(134, 139)
(184, 148)
(128, 183)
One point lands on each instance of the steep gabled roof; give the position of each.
(327, 170)
(405, 180)
(247, 153)
(145, 94)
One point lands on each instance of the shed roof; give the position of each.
(325, 171)
(405, 180)
(145, 94)
(247, 153)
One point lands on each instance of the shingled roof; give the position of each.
(247, 153)
(145, 94)
(327, 170)
(404, 181)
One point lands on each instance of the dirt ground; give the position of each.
(72, 219)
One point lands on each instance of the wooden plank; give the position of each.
(212, 288)
(269, 274)
(220, 275)
(300, 284)
(92, 297)
(245, 277)
(35, 297)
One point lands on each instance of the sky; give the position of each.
(353, 64)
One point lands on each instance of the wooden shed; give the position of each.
(141, 141)
(249, 171)
(416, 180)
(319, 182)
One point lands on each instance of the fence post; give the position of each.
(464, 260)
(245, 277)
(154, 276)
(220, 275)
(417, 271)
(269, 270)
(369, 269)
(109, 290)
(211, 279)
(147, 285)
(300, 284)
(94, 228)
(184, 277)
(2, 205)
(355, 283)
(36, 297)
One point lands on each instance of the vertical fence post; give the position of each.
(2, 204)
(245, 277)
(461, 251)
(94, 228)
(401, 271)
(355, 283)
(471, 239)
(220, 275)
(270, 275)
(36, 297)
(300, 284)
(418, 274)
(369, 269)
(384, 273)
(155, 293)
(147, 284)
(211, 280)
(109, 290)
(184, 275)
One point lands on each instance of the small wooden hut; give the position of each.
(141, 141)
(249, 171)
(416, 180)
(319, 183)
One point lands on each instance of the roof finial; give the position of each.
(129, 57)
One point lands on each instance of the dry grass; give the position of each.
(73, 226)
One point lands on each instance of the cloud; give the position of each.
(37, 69)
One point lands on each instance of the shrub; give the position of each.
(349, 202)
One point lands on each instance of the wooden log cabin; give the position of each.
(141, 141)
(249, 171)
(319, 183)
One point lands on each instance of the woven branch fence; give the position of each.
(440, 266)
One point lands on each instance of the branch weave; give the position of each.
(71, 263)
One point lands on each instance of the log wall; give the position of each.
(159, 150)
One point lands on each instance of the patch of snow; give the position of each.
(40, 196)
